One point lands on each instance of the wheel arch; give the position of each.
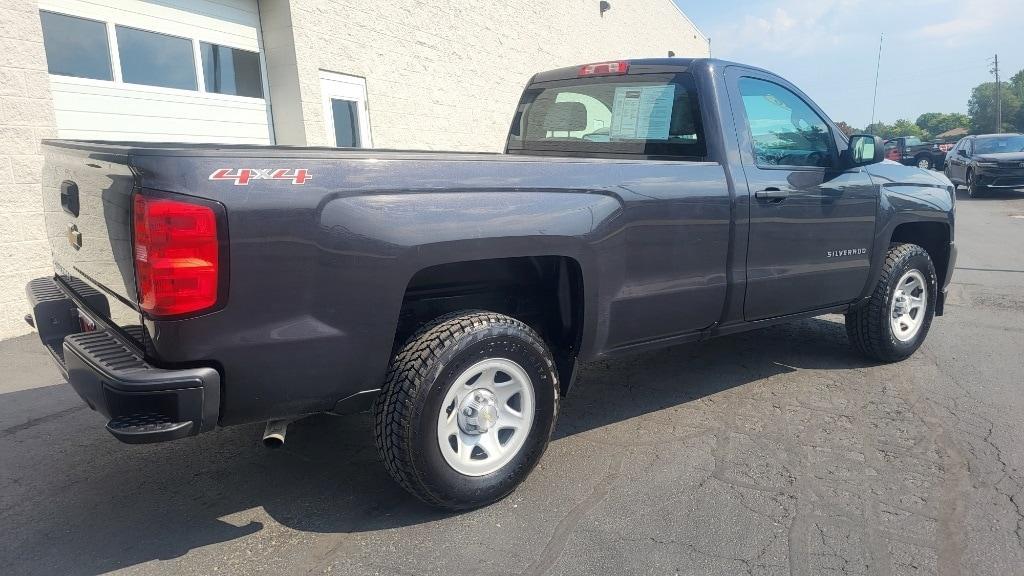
(546, 292)
(935, 238)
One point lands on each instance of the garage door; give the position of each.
(158, 70)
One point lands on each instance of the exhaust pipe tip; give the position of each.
(273, 442)
(274, 434)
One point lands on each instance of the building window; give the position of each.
(346, 126)
(231, 71)
(76, 46)
(156, 59)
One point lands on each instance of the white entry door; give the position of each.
(347, 120)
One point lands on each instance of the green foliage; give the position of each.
(1017, 86)
(846, 128)
(907, 128)
(900, 127)
(982, 107)
(935, 123)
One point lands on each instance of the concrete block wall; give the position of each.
(26, 117)
(445, 75)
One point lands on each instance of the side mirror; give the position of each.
(962, 152)
(865, 149)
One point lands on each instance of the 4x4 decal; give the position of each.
(242, 176)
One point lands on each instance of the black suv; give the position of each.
(986, 162)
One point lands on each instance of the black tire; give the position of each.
(419, 377)
(924, 161)
(868, 325)
(973, 189)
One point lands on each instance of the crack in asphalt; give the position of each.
(560, 537)
(41, 420)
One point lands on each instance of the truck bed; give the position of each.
(317, 270)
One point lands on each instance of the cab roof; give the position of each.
(639, 66)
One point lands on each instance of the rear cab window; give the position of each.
(644, 115)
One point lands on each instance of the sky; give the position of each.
(934, 51)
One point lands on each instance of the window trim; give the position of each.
(833, 148)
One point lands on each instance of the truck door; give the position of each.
(811, 222)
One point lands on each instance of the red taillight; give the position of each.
(177, 256)
(604, 68)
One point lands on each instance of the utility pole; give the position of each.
(878, 66)
(999, 99)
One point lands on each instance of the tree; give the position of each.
(900, 127)
(904, 127)
(1017, 87)
(846, 128)
(879, 129)
(982, 107)
(935, 123)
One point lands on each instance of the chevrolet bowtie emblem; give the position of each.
(74, 237)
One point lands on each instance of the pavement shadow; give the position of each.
(75, 501)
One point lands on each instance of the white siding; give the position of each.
(25, 117)
(93, 109)
(102, 110)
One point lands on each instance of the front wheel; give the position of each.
(974, 190)
(467, 409)
(923, 162)
(894, 321)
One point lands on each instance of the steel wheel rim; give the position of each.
(908, 306)
(497, 383)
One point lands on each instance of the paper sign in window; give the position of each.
(642, 112)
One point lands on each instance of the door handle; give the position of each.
(772, 194)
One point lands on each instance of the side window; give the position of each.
(785, 130)
(969, 147)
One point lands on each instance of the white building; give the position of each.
(427, 74)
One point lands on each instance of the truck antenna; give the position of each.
(878, 66)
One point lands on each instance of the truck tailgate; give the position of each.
(87, 199)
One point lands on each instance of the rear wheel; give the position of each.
(467, 409)
(894, 322)
(923, 161)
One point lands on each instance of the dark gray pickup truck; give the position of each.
(639, 204)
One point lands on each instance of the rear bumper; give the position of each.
(143, 403)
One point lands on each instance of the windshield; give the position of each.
(639, 115)
(997, 145)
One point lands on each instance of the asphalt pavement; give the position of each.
(773, 452)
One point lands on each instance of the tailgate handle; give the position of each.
(69, 197)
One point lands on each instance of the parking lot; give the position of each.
(772, 452)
